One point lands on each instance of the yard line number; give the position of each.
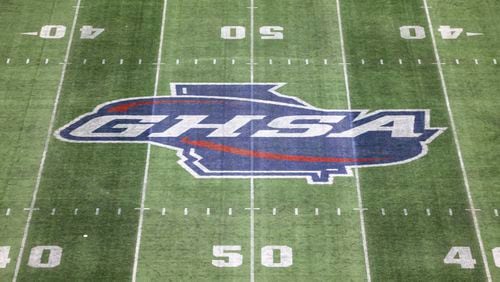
(40, 256)
(239, 32)
(229, 256)
(59, 31)
(412, 32)
(463, 257)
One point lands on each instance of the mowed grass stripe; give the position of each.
(319, 244)
(474, 100)
(444, 87)
(46, 143)
(26, 101)
(434, 180)
(148, 150)
(87, 176)
(180, 246)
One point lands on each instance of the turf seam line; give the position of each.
(457, 145)
(46, 143)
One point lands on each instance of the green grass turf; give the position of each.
(176, 247)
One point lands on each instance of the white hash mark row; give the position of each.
(122, 61)
(274, 211)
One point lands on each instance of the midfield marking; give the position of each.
(457, 144)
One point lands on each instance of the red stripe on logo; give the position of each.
(125, 107)
(272, 156)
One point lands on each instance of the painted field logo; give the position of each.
(244, 130)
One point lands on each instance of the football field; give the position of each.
(249, 140)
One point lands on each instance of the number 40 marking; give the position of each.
(37, 259)
(412, 32)
(463, 257)
(59, 31)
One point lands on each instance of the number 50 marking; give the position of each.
(234, 259)
(239, 32)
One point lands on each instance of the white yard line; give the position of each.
(252, 183)
(148, 152)
(46, 144)
(457, 144)
(356, 174)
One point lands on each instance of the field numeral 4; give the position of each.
(90, 32)
(463, 257)
(40, 256)
(413, 32)
(234, 259)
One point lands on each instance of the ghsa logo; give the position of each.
(250, 130)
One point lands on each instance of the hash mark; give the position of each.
(381, 61)
(119, 211)
(195, 61)
(177, 61)
(270, 61)
(325, 61)
(27, 61)
(457, 61)
(476, 61)
(419, 61)
(362, 61)
(31, 209)
(274, 211)
(405, 211)
(84, 61)
(296, 211)
(428, 211)
(382, 210)
(450, 212)
(121, 61)
(307, 61)
(97, 211)
(103, 61)
(496, 212)
(339, 212)
(494, 61)
(476, 210)
(400, 61)
(140, 61)
(186, 211)
(316, 211)
(233, 61)
(8, 61)
(214, 61)
(7, 213)
(75, 212)
(46, 60)
(208, 211)
(163, 211)
(289, 61)
(230, 211)
(53, 211)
